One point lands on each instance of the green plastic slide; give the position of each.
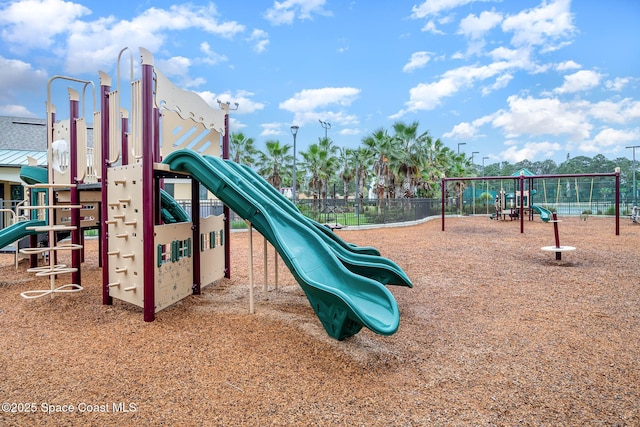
(343, 301)
(545, 214)
(17, 231)
(373, 266)
(279, 198)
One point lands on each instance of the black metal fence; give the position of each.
(387, 211)
(336, 211)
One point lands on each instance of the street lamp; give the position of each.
(326, 126)
(459, 144)
(483, 159)
(472, 154)
(633, 147)
(294, 132)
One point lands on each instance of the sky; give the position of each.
(505, 80)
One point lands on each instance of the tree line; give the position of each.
(396, 163)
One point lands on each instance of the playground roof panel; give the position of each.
(524, 171)
(19, 157)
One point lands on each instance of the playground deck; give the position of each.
(494, 332)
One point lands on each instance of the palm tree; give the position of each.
(381, 148)
(312, 163)
(346, 160)
(365, 163)
(412, 155)
(330, 164)
(274, 161)
(241, 149)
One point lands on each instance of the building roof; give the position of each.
(21, 137)
(17, 133)
(20, 157)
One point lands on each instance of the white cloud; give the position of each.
(475, 27)
(16, 111)
(617, 84)
(520, 58)
(246, 105)
(427, 96)
(261, 39)
(540, 25)
(621, 111)
(568, 65)
(312, 99)
(350, 131)
(34, 23)
(542, 116)
(272, 129)
(430, 27)
(530, 150)
(501, 82)
(211, 57)
(286, 11)
(610, 138)
(462, 130)
(16, 75)
(434, 7)
(417, 61)
(579, 81)
(92, 45)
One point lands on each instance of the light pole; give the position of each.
(294, 132)
(472, 154)
(459, 144)
(633, 147)
(326, 126)
(357, 188)
(483, 159)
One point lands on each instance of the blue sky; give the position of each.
(512, 80)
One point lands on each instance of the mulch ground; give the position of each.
(494, 332)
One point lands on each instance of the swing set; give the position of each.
(523, 204)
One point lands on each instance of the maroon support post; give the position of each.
(74, 193)
(195, 226)
(148, 185)
(557, 236)
(443, 191)
(225, 210)
(521, 204)
(105, 88)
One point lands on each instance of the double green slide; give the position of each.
(344, 283)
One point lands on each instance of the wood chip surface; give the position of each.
(495, 332)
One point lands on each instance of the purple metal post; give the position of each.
(195, 226)
(148, 185)
(74, 193)
(124, 135)
(225, 210)
(557, 236)
(521, 204)
(104, 208)
(618, 202)
(443, 192)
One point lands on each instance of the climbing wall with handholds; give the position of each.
(125, 242)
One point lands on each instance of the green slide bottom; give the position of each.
(343, 301)
(357, 259)
(545, 214)
(18, 231)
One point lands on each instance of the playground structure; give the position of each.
(512, 207)
(151, 252)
